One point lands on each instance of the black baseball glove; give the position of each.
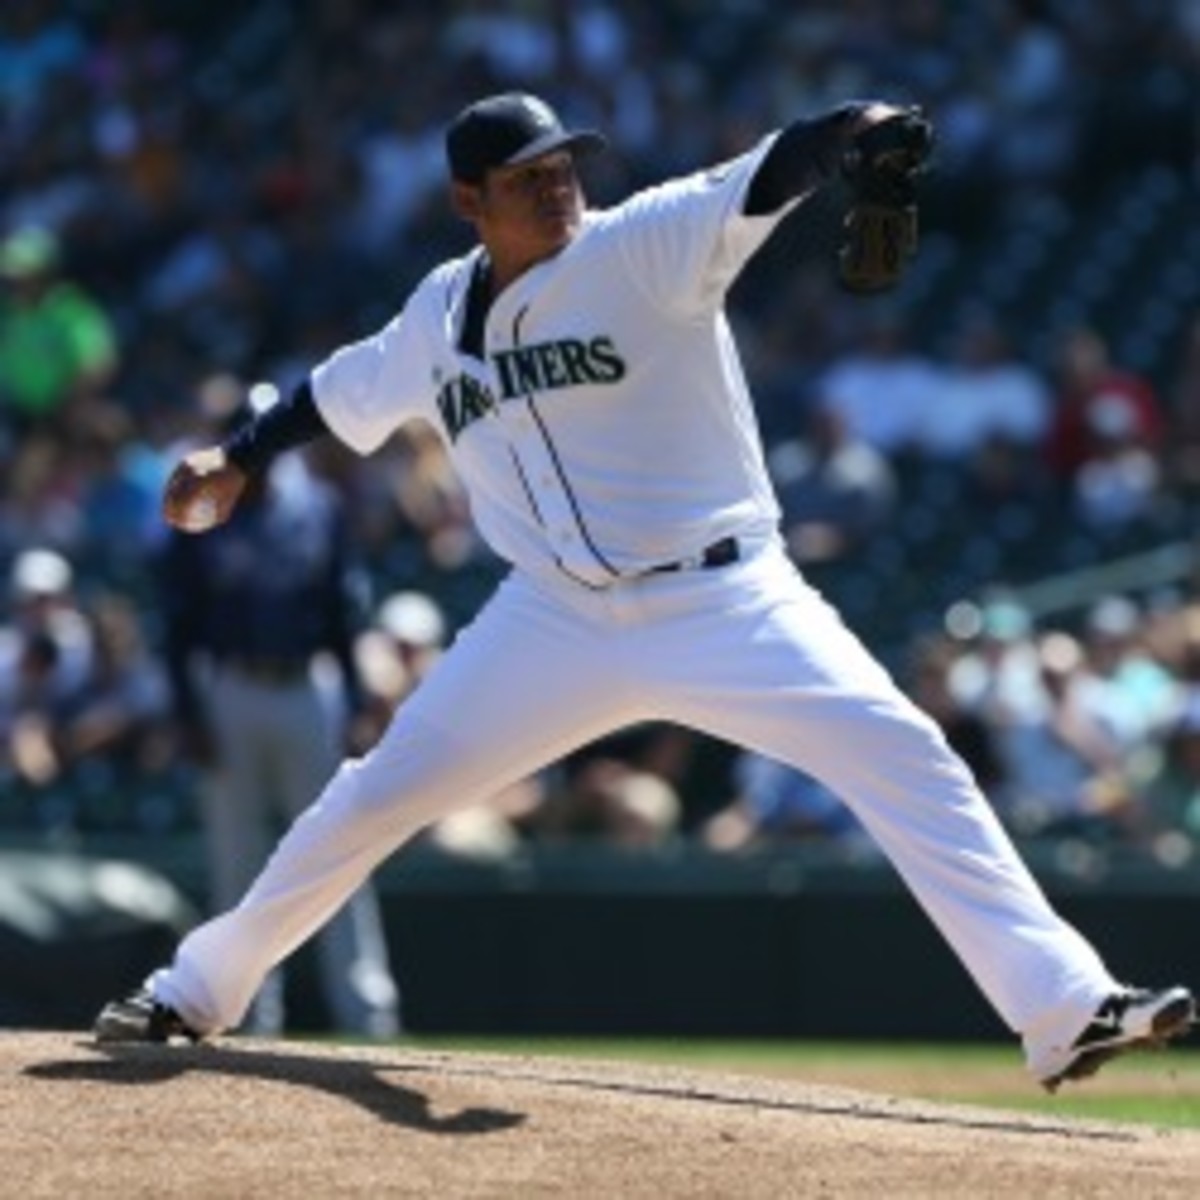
(880, 168)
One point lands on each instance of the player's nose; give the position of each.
(558, 180)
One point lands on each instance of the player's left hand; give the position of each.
(887, 149)
(886, 144)
(874, 114)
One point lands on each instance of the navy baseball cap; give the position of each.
(508, 129)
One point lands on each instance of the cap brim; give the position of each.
(579, 142)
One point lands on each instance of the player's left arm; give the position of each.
(808, 153)
(878, 150)
(685, 241)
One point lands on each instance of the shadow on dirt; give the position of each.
(360, 1082)
(863, 1107)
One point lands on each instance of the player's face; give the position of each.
(531, 210)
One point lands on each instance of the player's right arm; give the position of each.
(361, 394)
(205, 487)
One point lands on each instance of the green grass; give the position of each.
(1154, 1088)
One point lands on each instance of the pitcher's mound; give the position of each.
(281, 1119)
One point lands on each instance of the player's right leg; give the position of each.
(352, 955)
(530, 679)
(238, 805)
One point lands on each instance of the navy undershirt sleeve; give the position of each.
(293, 422)
(805, 155)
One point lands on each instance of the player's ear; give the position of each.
(466, 200)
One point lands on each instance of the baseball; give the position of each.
(200, 514)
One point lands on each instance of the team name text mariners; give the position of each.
(524, 370)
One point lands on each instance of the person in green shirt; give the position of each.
(56, 342)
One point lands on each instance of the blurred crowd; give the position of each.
(198, 201)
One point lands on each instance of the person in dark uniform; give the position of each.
(259, 627)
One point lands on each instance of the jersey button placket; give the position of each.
(552, 498)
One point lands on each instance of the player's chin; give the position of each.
(559, 226)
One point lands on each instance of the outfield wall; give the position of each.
(582, 941)
(776, 946)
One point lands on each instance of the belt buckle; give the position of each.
(719, 554)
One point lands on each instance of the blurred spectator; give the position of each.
(1169, 785)
(57, 345)
(402, 168)
(835, 489)
(29, 717)
(1141, 693)
(996, 681)
(881, 387)
(1068, 772)
(38, 47)
(996, 674)
(432, 501)
(119, 488)
(213, 283)
(1003, 476)
(39, 502)
(1119, 481)
(609, 801)
(1036, 121)
(1096, 403)
(395, 651)
(972, 738)
(625, 789)
(1182, 448)
(926, 55)
(986, 394)
(775, 804)
(259, 622)
(1063, 754)
(511, 41)
(44, 606)
(111, 731)
(46, 656)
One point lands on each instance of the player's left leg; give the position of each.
(755, 656)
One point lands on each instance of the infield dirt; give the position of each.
(247, 1118)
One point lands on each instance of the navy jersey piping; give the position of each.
(558, 467)
(537, 512)
(475, 311)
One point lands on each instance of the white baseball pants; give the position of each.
(748, 653)
(276, 746)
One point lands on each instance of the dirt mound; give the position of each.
(254, 1118)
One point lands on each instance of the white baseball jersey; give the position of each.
(628, 317)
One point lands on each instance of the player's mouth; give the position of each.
(558, 223)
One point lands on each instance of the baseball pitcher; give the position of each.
(580, 368)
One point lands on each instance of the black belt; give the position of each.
(277, 671)
(719, 554)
